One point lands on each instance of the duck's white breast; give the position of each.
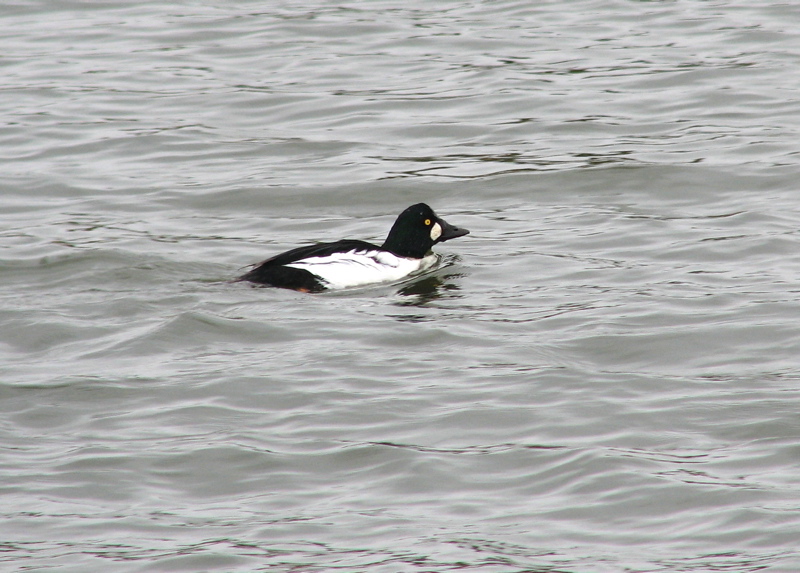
(357, 268)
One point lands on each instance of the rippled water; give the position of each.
(602, 377)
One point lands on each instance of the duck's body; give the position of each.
(351, 263)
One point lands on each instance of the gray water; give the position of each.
(603, 377)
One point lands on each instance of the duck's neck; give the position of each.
(406, 244)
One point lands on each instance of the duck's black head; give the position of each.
(417, 230)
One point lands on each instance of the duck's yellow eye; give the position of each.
(427, 222)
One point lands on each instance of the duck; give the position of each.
(353, 263)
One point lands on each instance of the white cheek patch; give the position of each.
(436, 231)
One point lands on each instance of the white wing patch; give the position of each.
(358, 268)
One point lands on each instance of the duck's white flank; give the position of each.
(361, 267)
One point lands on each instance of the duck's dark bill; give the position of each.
(451, 232)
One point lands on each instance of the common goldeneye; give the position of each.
(352, 263)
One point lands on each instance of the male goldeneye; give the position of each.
(351, 263)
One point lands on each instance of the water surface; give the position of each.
(602, 377)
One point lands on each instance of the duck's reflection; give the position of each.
(428, 289)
